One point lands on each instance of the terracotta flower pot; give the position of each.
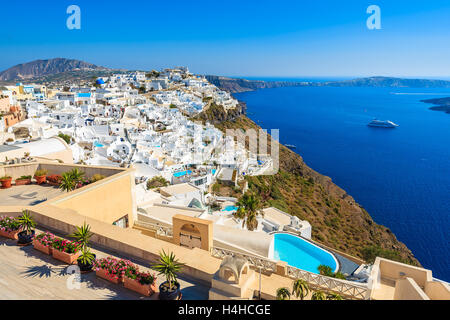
(6, 183)
(11, 235)
(55, 184)
(69, 258)
(143, 289)
(102, 274)
(38, 246)
(40, 179)
(22, 182)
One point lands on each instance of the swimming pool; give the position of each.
(230, 208)
(98, 144)
(181, 173)
(302, 254)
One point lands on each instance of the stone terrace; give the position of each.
(28, 274)
(28, 195)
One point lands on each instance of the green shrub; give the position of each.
(65, 137)
(41, 172)
(157, 182)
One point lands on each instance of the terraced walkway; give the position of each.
(27, 274)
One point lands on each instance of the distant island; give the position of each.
(441, 104)
(235, 85)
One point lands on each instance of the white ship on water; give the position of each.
(382, 124)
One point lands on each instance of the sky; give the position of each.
(298, 38)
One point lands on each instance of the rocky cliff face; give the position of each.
(440, 104)
(242, 85)
(234, 85)
(40, 68)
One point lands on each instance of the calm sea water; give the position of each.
(401, 176)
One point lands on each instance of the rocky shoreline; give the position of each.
(440, 104)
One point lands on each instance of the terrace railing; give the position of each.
(259, 262)
(344, 288)
(158, 228)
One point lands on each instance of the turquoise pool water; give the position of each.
(182, 173)
(301, 254)
(98, 144)
(230, 208)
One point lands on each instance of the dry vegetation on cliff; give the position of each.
(337, 220)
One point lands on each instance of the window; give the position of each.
(122, 222)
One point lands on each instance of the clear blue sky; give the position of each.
(237, 38)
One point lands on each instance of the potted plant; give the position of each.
(27, 225)
(40, 176)
(54, 179)
(86, 260)
(9, 227)
(65, 250)
(168, 266)
(82, 236)
(319, 295)
(110, 269)
(141, 282)
(67, 183)
(6, 182)
(77, 177)
(283, 294)
(300, 289)
(23, 180)
(44, 242)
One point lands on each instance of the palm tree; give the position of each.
(334, 296)
(82, 234)
(86, 257)
(26, 222)
(169, 267)
(76, 174)
(67, 182)
(283, 294)
(318, 295)
(249, 207)
(300, 289)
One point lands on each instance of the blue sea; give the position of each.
(400, 176)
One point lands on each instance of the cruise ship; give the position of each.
(382, 124)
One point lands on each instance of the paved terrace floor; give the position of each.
(28, 195)
(28, 274)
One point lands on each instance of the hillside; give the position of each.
(389, 82)
(39, 68)
(235, 85)
(337, 220)
(440, 104)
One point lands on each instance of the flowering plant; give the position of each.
(66, 246)
(9, 224)
(115, 268)
(55, 178)
(46, 239)
(131, 271)
(146, 278)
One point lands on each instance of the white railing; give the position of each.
(259, 262)
(344, 288)
(158, 228)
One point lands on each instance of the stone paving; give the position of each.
(28, 195)
(28, 274)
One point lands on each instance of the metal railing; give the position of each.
(158, 228)
(259, 262)
(344, 288)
